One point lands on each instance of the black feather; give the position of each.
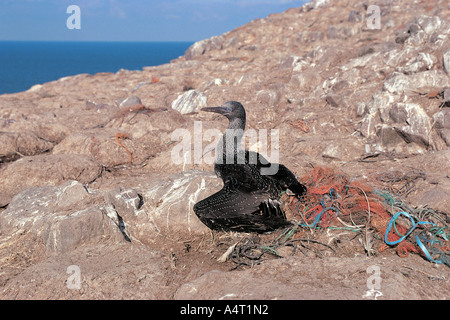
(248, 201)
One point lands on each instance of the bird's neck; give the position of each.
(237, 123)
(231, 140)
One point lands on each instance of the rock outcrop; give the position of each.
(88, 176)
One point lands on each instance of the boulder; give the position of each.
(15, 144)
(423, 61)
(399, 82)
(199, 48)
(44, 170)
(63, 217)
(189, 102)
(417, 126)
(53, 218)
(168, 205)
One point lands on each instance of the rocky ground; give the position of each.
(88, 176)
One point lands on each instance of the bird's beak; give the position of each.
(221, 110)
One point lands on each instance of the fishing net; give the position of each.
(379, 216)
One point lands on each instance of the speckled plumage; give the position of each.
(249, 200)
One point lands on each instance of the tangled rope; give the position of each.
(333, 202)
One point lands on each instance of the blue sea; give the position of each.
(26, 63)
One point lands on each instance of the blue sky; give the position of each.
(131, 20)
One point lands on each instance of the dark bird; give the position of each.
(249, 199)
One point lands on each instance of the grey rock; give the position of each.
(128, 102)
(190, 102)
(68, 215)
(423, 61)
(447, 95)
(389, 137)
(429, 24)
(380, 103)
(289, 62)
(336, 101)
(310, 36)
(199, 48)
(315, 4)
(56, 216)
(417, 39)
(360, 109)
(376, 47)
(168, 204)
(268, 98)
(399, 82)
(442, 119)
(48, 169)
(398, 114)
(402, 36)
(305, 81)
(445, 135)
(446, 59)
(418, 124)
(122, 204)
(126, 201)
(101, 107)
(332, 151)
(442, 124)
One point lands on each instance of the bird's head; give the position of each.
(230, 109)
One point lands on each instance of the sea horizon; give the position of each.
(24, 63)
(101, 41)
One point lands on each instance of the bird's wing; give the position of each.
(287, 180)
(279, 174)
(234, 208)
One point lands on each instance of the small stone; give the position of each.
(128, 102)
(332, 152)
(336, 101)
(360, 109)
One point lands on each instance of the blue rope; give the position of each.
(393, 219)
(425, 250)
(317, 218)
